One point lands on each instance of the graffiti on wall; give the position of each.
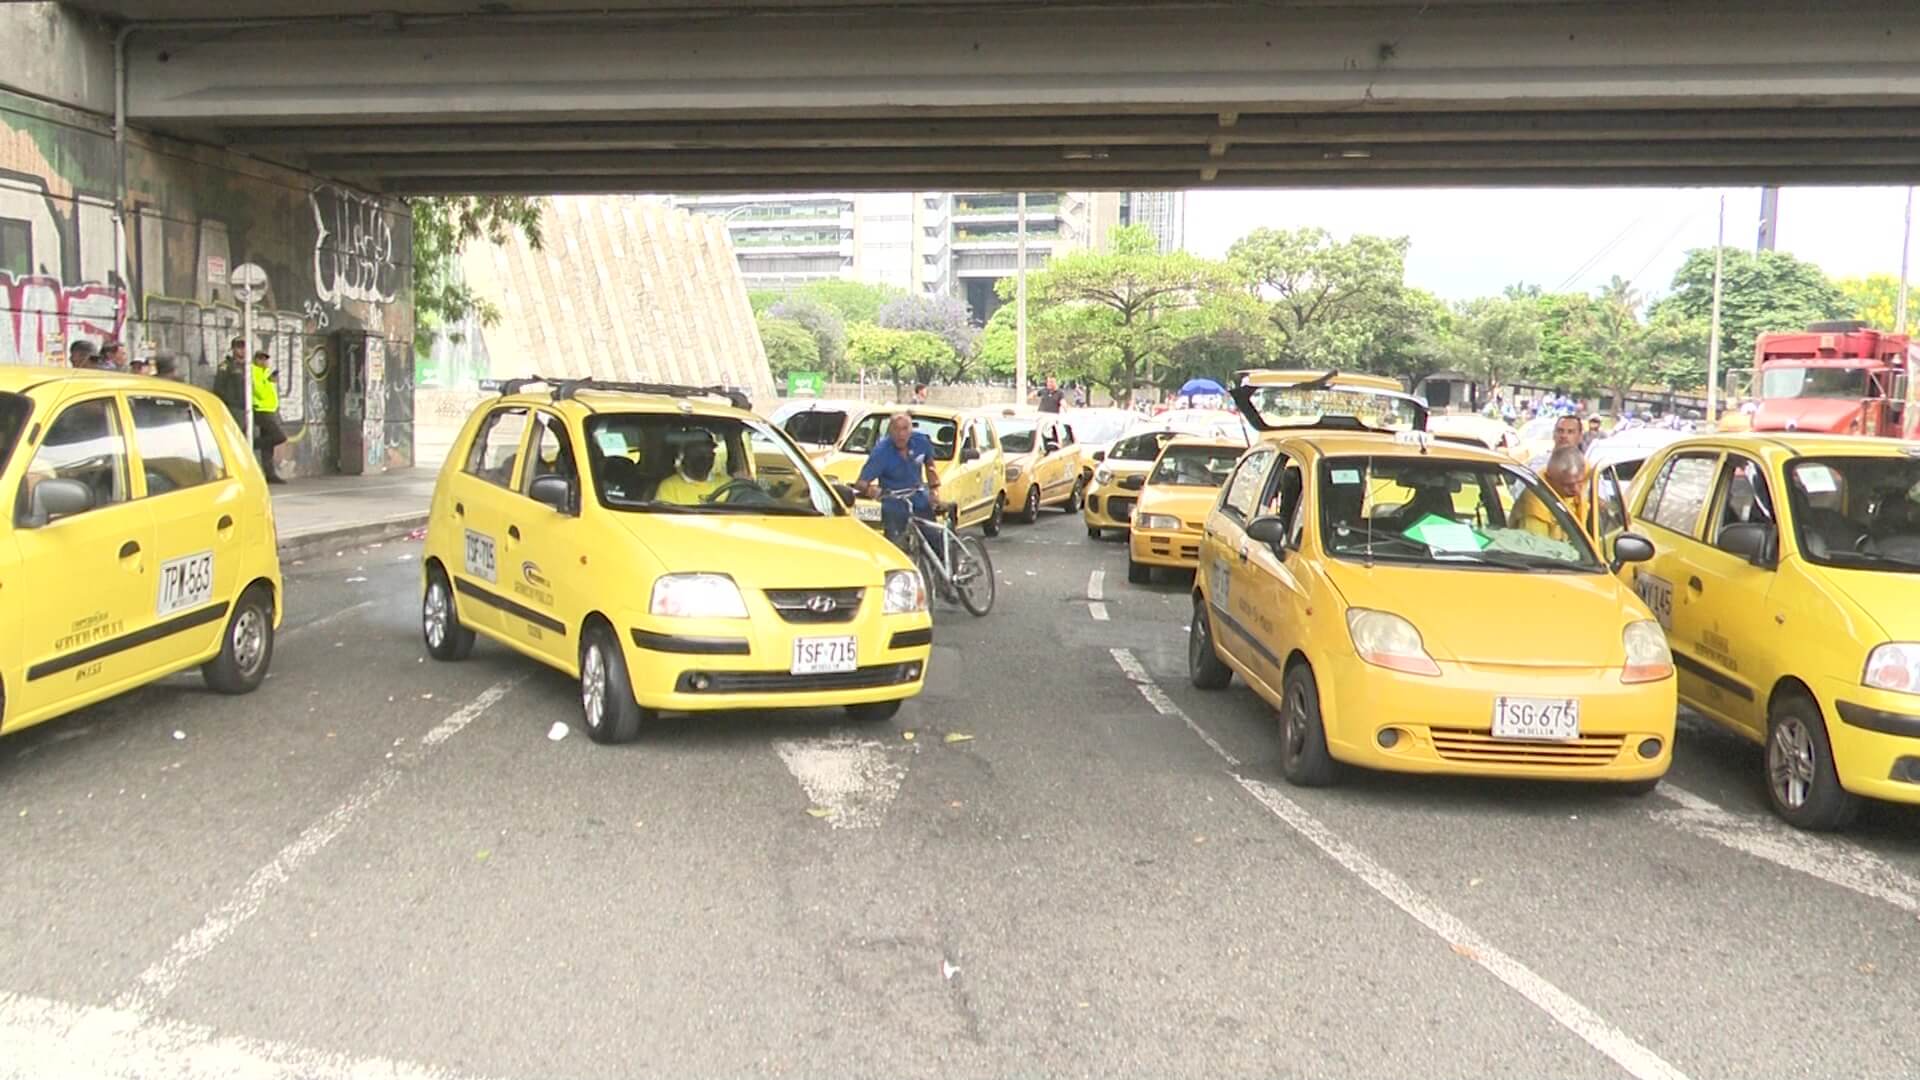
(43, 314)
(353, 255)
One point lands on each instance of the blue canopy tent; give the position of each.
(1202, 388)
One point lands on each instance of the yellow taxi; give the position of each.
(1348, 573)
(632, 536)
(1042, 462)
(1115, 487)
(1787, 575)
(967, 457)
(141, 541)
(1179, 492)
(1488, 431)
(818, 424)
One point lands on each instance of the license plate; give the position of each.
(822, 655)
(867, 511)
(186, 582)
(1538, 719)
(480, 556)
(1657, 594)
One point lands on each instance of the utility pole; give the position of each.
(1769, 219)
(1713, 334)
(1906, 242)
(1020, 302)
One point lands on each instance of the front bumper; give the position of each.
(1109, 507)
(1444, 724)
(1876, 740)
(1175, 548)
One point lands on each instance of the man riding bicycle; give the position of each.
(898, 463)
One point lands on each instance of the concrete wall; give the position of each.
(55, 53)
(337, 259)
(624, 288)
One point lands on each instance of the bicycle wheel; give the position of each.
(973, 574)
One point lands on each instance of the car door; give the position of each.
(1072, 464)
(481, 491)
(199, 521)
(541, 588)
(1606, 516)
(1672, 511)
(87, 578)
(1728, 597)
(1273, 590)
(1052, 460)
(1230, 595)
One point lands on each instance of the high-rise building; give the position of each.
(1164, 213)
(785, 241)
(986, 228)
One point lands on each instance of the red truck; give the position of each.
(1839, 377)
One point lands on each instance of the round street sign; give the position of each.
(249, 282)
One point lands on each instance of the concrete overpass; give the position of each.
(431, 96)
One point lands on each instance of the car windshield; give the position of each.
(1848, 384)
(1016, 436)
(1857, 511)
(674, 463)
(1142, 447)
(873, 427)
(1305, 406)
(14, 411)
(1100, 427)
(1195, 466)
(1435, 511)
(820, 427)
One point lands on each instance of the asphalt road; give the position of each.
(1076, 865)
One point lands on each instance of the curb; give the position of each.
(306, 545)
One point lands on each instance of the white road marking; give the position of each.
(1831, 859)
(1097, 585)
(41, 1038)
(1629, 1054)
(1098, 610)
(164, 976)
(332, 617)
(851, 781)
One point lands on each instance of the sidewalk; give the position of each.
(326, 513)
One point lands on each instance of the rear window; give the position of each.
(1195, 466)
(873, 427)
(1140, 447)
(820, 427)
(1016, 438)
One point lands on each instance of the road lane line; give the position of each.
(1625, 1051)
(1830, 859)
(164, 976)
(41, 1038)
(1098, 610)
(1097, 585)
(851, 781)
(1562, 1008)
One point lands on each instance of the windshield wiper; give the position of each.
(1514, 560)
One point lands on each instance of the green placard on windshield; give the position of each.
(806, 383)
(1445, 534)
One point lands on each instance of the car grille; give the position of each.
(797, 605)
(749, 682)
(1120, 508)
(1479, 747)
(1174, 549)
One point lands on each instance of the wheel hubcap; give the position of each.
(249, 639)
(436, 615)
(593, 686)
(1293, 724)
(1790, 762)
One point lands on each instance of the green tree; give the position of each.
(856, 301)
(1875, 299)
(790, 346)
(443, 226)
(945, 316)
(1327, 299)
(905, 355)
(996, 352)
(829, 330)
(1566, 359)
(1760, 292)
(1495, 339)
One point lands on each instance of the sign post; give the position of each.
(249, 284)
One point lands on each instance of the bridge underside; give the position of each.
(647, 96)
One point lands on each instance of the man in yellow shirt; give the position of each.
(1566, 477)
(267, 433)
(692, 480)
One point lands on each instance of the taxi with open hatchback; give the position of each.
(1115, 488)
(1179, 492)
(1390, 596)
(1042, 462)
(140, 542)
(638, 537)
(1787, 574)
(967, 456)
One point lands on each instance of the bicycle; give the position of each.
(959, 565)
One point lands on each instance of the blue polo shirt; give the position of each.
(896, 469)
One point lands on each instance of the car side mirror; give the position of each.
(1099, 455)
(1752, 541)
(57, 497)
(554, 491)
(1269, 530)
(971, 453)
(848, 496)
(1630, 548)
(1133, 483)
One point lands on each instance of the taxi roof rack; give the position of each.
(563, 389)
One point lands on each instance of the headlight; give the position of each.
(1386, 640)
(1013, 472)
(697, 596)
(905, 593)
(1103, 475)
(1894, 666)
(1159, 521)
(1648, 657)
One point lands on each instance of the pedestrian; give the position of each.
(1566, 477)
(229, 382)
(1593, 434)
(1566, 433)
(80, 353)
(919, 393)
(141, 367)
(166, 367)
(113, 356)
(267, 433)
(1049, 398)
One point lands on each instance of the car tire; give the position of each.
(246, 645)
(446, 636)
(1095, 532)
(1204, 667)
(1304, 759)
(606, 691)
(874, 712)
(1139, 573)
(991, 526)
(1634, 789)
(1072, 505)
(1030, 512)
(1801, 782)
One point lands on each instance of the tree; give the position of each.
(902, 354)
(856, 301)
(1566, 360)
(790, 346)
(946, 317)
(1875, 300)
(443, 226)
(829, 330)
(1327, 298)
(1760, 292)
(1495, 339)
(999, 342)
(1414, 341)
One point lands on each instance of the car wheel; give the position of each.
(1801, 782)
(1139, 573)
(1095, 532)
(1204, 666)
(1636, 788)
(1072, 505)
(1030, 512)
(606, 693)
(246, 646)
(447, 638)
(992, 525)
(874, 712)
(1303, 737)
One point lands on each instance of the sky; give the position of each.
(1475, 242)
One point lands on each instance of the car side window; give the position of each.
(1242, 492)
(1680, 492)
(1066, 435)
(1050, 433)
(176, 444)
(1744, 498)
(987, 439)
(552, 452)
(83, 443)
(496, 448)
(864, 434)
(1612, 509)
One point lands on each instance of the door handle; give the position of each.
(513, 531)
(1243, 553)
(460, 509)
(226, 522)
(1694, 583)
(129, 549)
